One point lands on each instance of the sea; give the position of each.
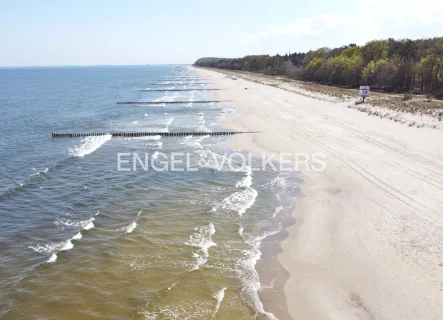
(100, 227)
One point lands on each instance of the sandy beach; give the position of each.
(368, 237)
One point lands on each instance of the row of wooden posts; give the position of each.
(148, 134)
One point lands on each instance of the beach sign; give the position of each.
(364, 91)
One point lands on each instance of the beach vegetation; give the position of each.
(391, 65)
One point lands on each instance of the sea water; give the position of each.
(81, 239)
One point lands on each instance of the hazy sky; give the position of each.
(88, 32)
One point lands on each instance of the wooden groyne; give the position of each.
(166, 90)
(169, 102)
(175, 84)
(184, 80)
(148, 134)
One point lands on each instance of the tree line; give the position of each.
(391, 65)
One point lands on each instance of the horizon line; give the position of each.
(93, 65)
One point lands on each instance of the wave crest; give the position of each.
(88, 145)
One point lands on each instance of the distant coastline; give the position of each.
(94, 65)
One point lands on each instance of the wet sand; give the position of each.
(368, 237)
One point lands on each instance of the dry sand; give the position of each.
(368, 238)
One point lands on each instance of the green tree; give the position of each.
(390, 64)
(368, 73)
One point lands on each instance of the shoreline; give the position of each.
(366, 242)
(415, 112)
(271, 295)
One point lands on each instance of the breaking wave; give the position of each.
(202, 240)
(88, 145)
(238, 201)
(130, 227)
(218, 296)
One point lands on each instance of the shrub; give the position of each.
(406, 96)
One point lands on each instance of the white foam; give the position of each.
(238, 201)
(89, 225)
(52, 258)
(194, 142)
(269, 286)
(218, 296)
(277, 210)
(165, 129)
(158, 144)
(166, 97)
(202, 240)
(209, 159)
(203, 128)
(224, 113)
(278, 182)
(54, 248)
(249, 276)
(292, 203)
(191, 97)
(63, 222)
(200, 139)
(67, 245)
(157, 137)
(130, 227)
(78, 236)
(47, 248)
(134, 122)
(88, 145)
(245, 182)
(240, 231)
(258, 240)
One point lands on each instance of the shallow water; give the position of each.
(82, 240)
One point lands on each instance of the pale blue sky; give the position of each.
(81, 32)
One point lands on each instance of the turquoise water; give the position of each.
(82, 240)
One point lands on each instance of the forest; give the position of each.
(401, 66)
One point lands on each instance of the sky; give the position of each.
(132, 32)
